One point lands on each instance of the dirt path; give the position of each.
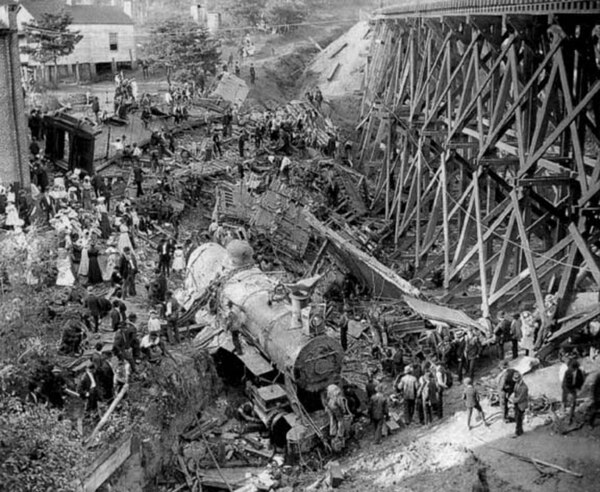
(446, 457)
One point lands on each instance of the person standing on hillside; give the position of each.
(521, 402)
(318, 97)
(502, 332)
(138, 178)
(98, 306)
(252, 74)
(472, 351)
(96, 109)
(379, 411)
(571, 384)
(128, 269)
(471, 397)
(506, 387)
(515, 334)
(407, 387)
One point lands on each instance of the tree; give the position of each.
(250, 12)
(286, 15)
(49, 38)
(183, 46)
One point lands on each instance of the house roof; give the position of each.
(81, 14)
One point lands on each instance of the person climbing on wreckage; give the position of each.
(336, 406)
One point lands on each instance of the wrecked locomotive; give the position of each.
(277, 319)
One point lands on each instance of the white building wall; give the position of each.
(94, 47)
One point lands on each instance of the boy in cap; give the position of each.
(471, 397)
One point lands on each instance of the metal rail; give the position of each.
(436, 8)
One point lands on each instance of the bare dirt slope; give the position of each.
(446, 456)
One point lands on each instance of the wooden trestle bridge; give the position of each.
(482, 118)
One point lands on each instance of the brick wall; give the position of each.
(14, 143)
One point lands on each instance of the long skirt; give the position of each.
(105, 226)
(84, 263)
(65, 276)
(94, 272)
(124, 240)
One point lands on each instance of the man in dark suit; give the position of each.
(128, 269)
(99, 307)
(164, 257)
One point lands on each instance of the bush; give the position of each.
(38, 450)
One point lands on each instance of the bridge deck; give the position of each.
(437, 8)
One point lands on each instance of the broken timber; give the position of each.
(382, 281)
(107, 464)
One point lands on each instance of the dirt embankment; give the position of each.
(169, 399)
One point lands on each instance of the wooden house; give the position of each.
(108, 42)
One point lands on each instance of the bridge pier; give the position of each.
(490, 121)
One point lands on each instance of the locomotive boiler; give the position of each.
(285, 328)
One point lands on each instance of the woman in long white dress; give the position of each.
(65, 276)
(111, 262)
(84, 244)
(178, 260)
(124, 239)
(12, 216)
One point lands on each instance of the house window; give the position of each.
(112, 41)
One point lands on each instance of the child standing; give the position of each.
(471, 398)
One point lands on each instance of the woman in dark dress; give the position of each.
(94, 272)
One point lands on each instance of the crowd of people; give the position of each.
(451, 357)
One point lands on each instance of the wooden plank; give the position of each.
(519, 100)
(566, 331)
(105, 470)
(459, 122)
(334, 72)
(446, 219)
(317, 45)
(543, 114)
(561, 127)
(577, 147)
(107, 414)
(504, 260)
(526, 247)
(480, 246)
(338, 51)
(547, 256)
(382, 275)
(589, 258)
(491, 230)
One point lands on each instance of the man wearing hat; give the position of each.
(521, 402)
(407, 388)
(506, 386)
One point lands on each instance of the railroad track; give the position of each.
(436, 8)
